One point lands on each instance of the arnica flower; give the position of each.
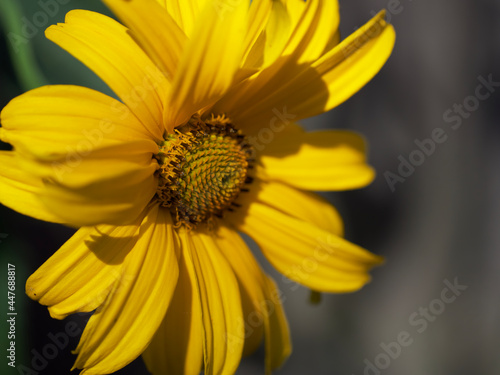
(202, 145)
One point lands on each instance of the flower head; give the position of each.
(200, 146)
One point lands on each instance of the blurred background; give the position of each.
(434, 307)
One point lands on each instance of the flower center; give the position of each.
(203, 167)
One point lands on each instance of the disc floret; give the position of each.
(203, 167)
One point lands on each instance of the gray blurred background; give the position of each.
(436, 224)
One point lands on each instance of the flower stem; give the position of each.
(21, 51)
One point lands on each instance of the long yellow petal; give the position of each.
(185, 13)
(220, 303)
(177, 347)
(278, 343)
(296, 30)
(111, 185)
(258, 15)
(307, 89)
(95, 163)
(307, 254)
(154, 29)
(253, 318)
(21, 191)
(210, 60)
(273, 36)
(107, 48)
(264, 311)
(295, 34)
(317, 24)
(295, 8)
(251, 284)
(320, 160)
(347, 67)
(123, 326)
(302, 205)
(81, 274)
(51, 121)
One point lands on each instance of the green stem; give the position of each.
(20, 47)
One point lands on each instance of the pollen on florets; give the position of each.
(203, 167)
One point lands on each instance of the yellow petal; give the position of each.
(306, 253)
(346, 68)
(264, 311)
(154, 29)
(299, 30)
(307, 89)
(271, 41)
(51, 121)
(295, 8)
(320, 160)
(220, 303)
(80, 275)
(258, 15)
(96, 164)
(20, 191)
(210, 60)
(184, 12)
(251, 284)
(278, 344)
(111, 185)
(317, 24)
(334, 40)
(123, 326)
(295, 34)
(107, 48)
(177, 347)
(253, 318)
(302, 205)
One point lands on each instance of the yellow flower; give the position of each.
(200, 147)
